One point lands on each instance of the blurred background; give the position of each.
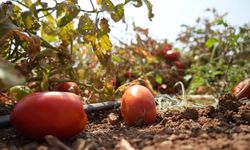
(171, 14)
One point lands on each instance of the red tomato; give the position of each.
(242, 89)
(68, 87)
(138, 106)
(128, 74)
(171, 55)
(179, 65)
(56, 113)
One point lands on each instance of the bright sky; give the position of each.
(171, 14)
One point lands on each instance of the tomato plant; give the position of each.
(242, 89)
(63, 40)
(56, 113)
(138, 106)
(68, 87)
(220, 53)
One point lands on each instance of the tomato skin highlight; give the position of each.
(60, 114)
(68, 87)
(240, 86)
(138, 106)
(171, 55)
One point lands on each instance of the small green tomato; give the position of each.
(19, 91)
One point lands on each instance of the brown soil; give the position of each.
(225, 127)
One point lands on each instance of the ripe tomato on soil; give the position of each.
(55, 113)
(171, 55)
(68, 87)
(138, 106)
(242, 89)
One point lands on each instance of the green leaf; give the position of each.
(71, 13)
(197, 82)
(118, 14)
(220, 21)
(150, 9)
(19, 91)
(158, 79)
(107, 5)
(211, 42)
(116, 58)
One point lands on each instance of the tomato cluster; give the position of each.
(172, 56)
(172, 59)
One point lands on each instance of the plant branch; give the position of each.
(17, 1)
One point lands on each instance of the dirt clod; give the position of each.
(190, 113)
(113, 118)
(229, 102)
(244, 112)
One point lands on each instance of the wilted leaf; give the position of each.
(6, 10)
(104, 26)
(29, 21)
(137, 3)
(48, 32)
(71, 13)
(108, 5)
(118, 14)
(150, 9)
(6, 29)
(34, 43)
(9, 76)
(99, 2)
(87, 28)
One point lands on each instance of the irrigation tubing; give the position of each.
(89, 108)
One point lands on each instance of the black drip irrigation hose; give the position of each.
(89, 108)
